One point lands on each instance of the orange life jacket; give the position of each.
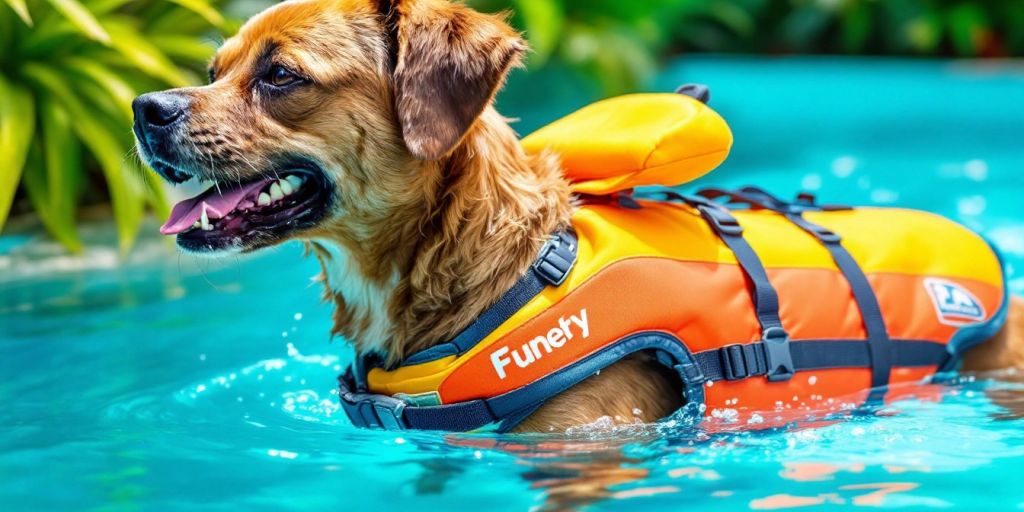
(748, 299)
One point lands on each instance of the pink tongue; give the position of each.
(185, 214)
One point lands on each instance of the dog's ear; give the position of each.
(450, 61)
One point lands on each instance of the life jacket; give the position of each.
(753, 301)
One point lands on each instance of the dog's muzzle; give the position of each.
(158, 116)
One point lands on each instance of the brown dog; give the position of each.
(366, 129)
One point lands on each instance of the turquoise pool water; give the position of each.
(169, 383)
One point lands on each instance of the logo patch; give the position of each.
(530, 351)
(954, 305)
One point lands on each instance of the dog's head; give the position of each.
(319, 114)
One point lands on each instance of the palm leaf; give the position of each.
(19, 7)
(53, 176)
(63, 171)
(204, 9)
(140, 52)
(101, 7)
(110, 151)
(82, 19)
(176, 21)
(114, 87)
(186, 48)
(17, 124)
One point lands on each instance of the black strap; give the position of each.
(880, 344)
(758, 198)
(766, 300)
(371, 410)
(735, 362)
(552, 266)
(871, 313)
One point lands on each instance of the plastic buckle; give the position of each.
(734, 362)
(777, 354)
(557, 258)
(367, 410)
(389, 412)
(374, 411)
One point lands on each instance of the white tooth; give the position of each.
(295, 181)
(263, 199)
(275, 192)
(204, 221)
(196, 224)
(286, 188)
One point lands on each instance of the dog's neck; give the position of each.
(491, 209)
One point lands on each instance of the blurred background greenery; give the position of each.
(69, 69)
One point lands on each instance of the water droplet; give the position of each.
(844, 166)
(976, 170)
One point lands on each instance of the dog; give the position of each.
(365, 128)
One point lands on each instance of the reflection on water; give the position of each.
(171, 383)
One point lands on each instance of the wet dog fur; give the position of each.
(436, 208)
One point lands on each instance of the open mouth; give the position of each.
(250, 215)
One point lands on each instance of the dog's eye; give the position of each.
(281, 76)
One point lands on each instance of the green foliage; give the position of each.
(618, 42)
(69, 70)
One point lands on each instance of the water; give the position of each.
(169, 383)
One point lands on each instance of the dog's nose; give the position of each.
(159, 109)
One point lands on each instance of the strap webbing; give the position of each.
(458, 417)
(765, 298)
(874, 323)
(369, 410)
(736, 362)
(552, 266)
(871, 313)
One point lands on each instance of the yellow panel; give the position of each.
(635, 140)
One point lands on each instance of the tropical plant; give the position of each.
(69, 70)
(618, 43)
